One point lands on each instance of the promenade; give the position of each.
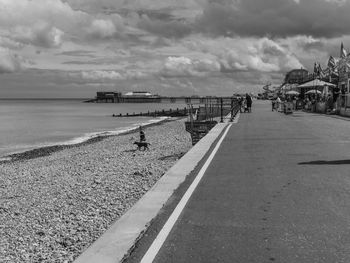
(276, 190)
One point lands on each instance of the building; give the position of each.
(297, 76)
(344, 75)
(108, 96)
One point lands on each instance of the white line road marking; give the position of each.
(163, 234)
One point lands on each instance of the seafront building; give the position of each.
(335, 80)
(297, 76)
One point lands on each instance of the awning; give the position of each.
(316, 83)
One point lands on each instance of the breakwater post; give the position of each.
(167, 113)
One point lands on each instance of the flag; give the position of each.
(347, 66)
(343, 52)
(331, 62)
(320, 72)
(325, 72)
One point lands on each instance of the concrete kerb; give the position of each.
(121, 236)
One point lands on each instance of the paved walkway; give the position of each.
(277, 190)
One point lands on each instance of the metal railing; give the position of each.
(202, 120)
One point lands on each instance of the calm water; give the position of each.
(28, 124)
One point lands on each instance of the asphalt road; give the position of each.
(278, 190)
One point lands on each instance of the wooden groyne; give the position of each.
(159, 113)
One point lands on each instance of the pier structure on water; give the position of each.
(146, 97)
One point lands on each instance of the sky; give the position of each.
(74, 48)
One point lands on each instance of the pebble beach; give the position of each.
(55, 203)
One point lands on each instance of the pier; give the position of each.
(117, 97)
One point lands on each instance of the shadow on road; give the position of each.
(320, 162)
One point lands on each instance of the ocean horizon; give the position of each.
(27, 124)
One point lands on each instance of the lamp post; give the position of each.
(222, 110)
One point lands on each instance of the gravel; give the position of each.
(53, 205)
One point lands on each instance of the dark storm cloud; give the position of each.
(326, 18)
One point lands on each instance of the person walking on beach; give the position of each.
(249, 102)
(142, 135)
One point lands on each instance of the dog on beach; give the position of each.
(143, 145)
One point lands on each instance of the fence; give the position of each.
(201, 120)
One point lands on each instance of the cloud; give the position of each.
(101, 28)
(41, 23)
(110, 6)
(27, 13)
(183, 66)
(108, 75)
(9, 62)
(165, 28)
(99, 74)
(275, 18)
(78, 53)
(248, 54)
(171, 19)
(40, 34)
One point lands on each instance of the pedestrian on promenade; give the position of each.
(313, 103)
(336, 92)
(329, 103)
(273, 104)
(294, 100)
(240, 103)
(279, 103)
(249, 102)
(142, 135)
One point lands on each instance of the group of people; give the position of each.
(307, 101)
(245, 104)
(276, 104)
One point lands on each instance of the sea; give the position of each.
(34, 123)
